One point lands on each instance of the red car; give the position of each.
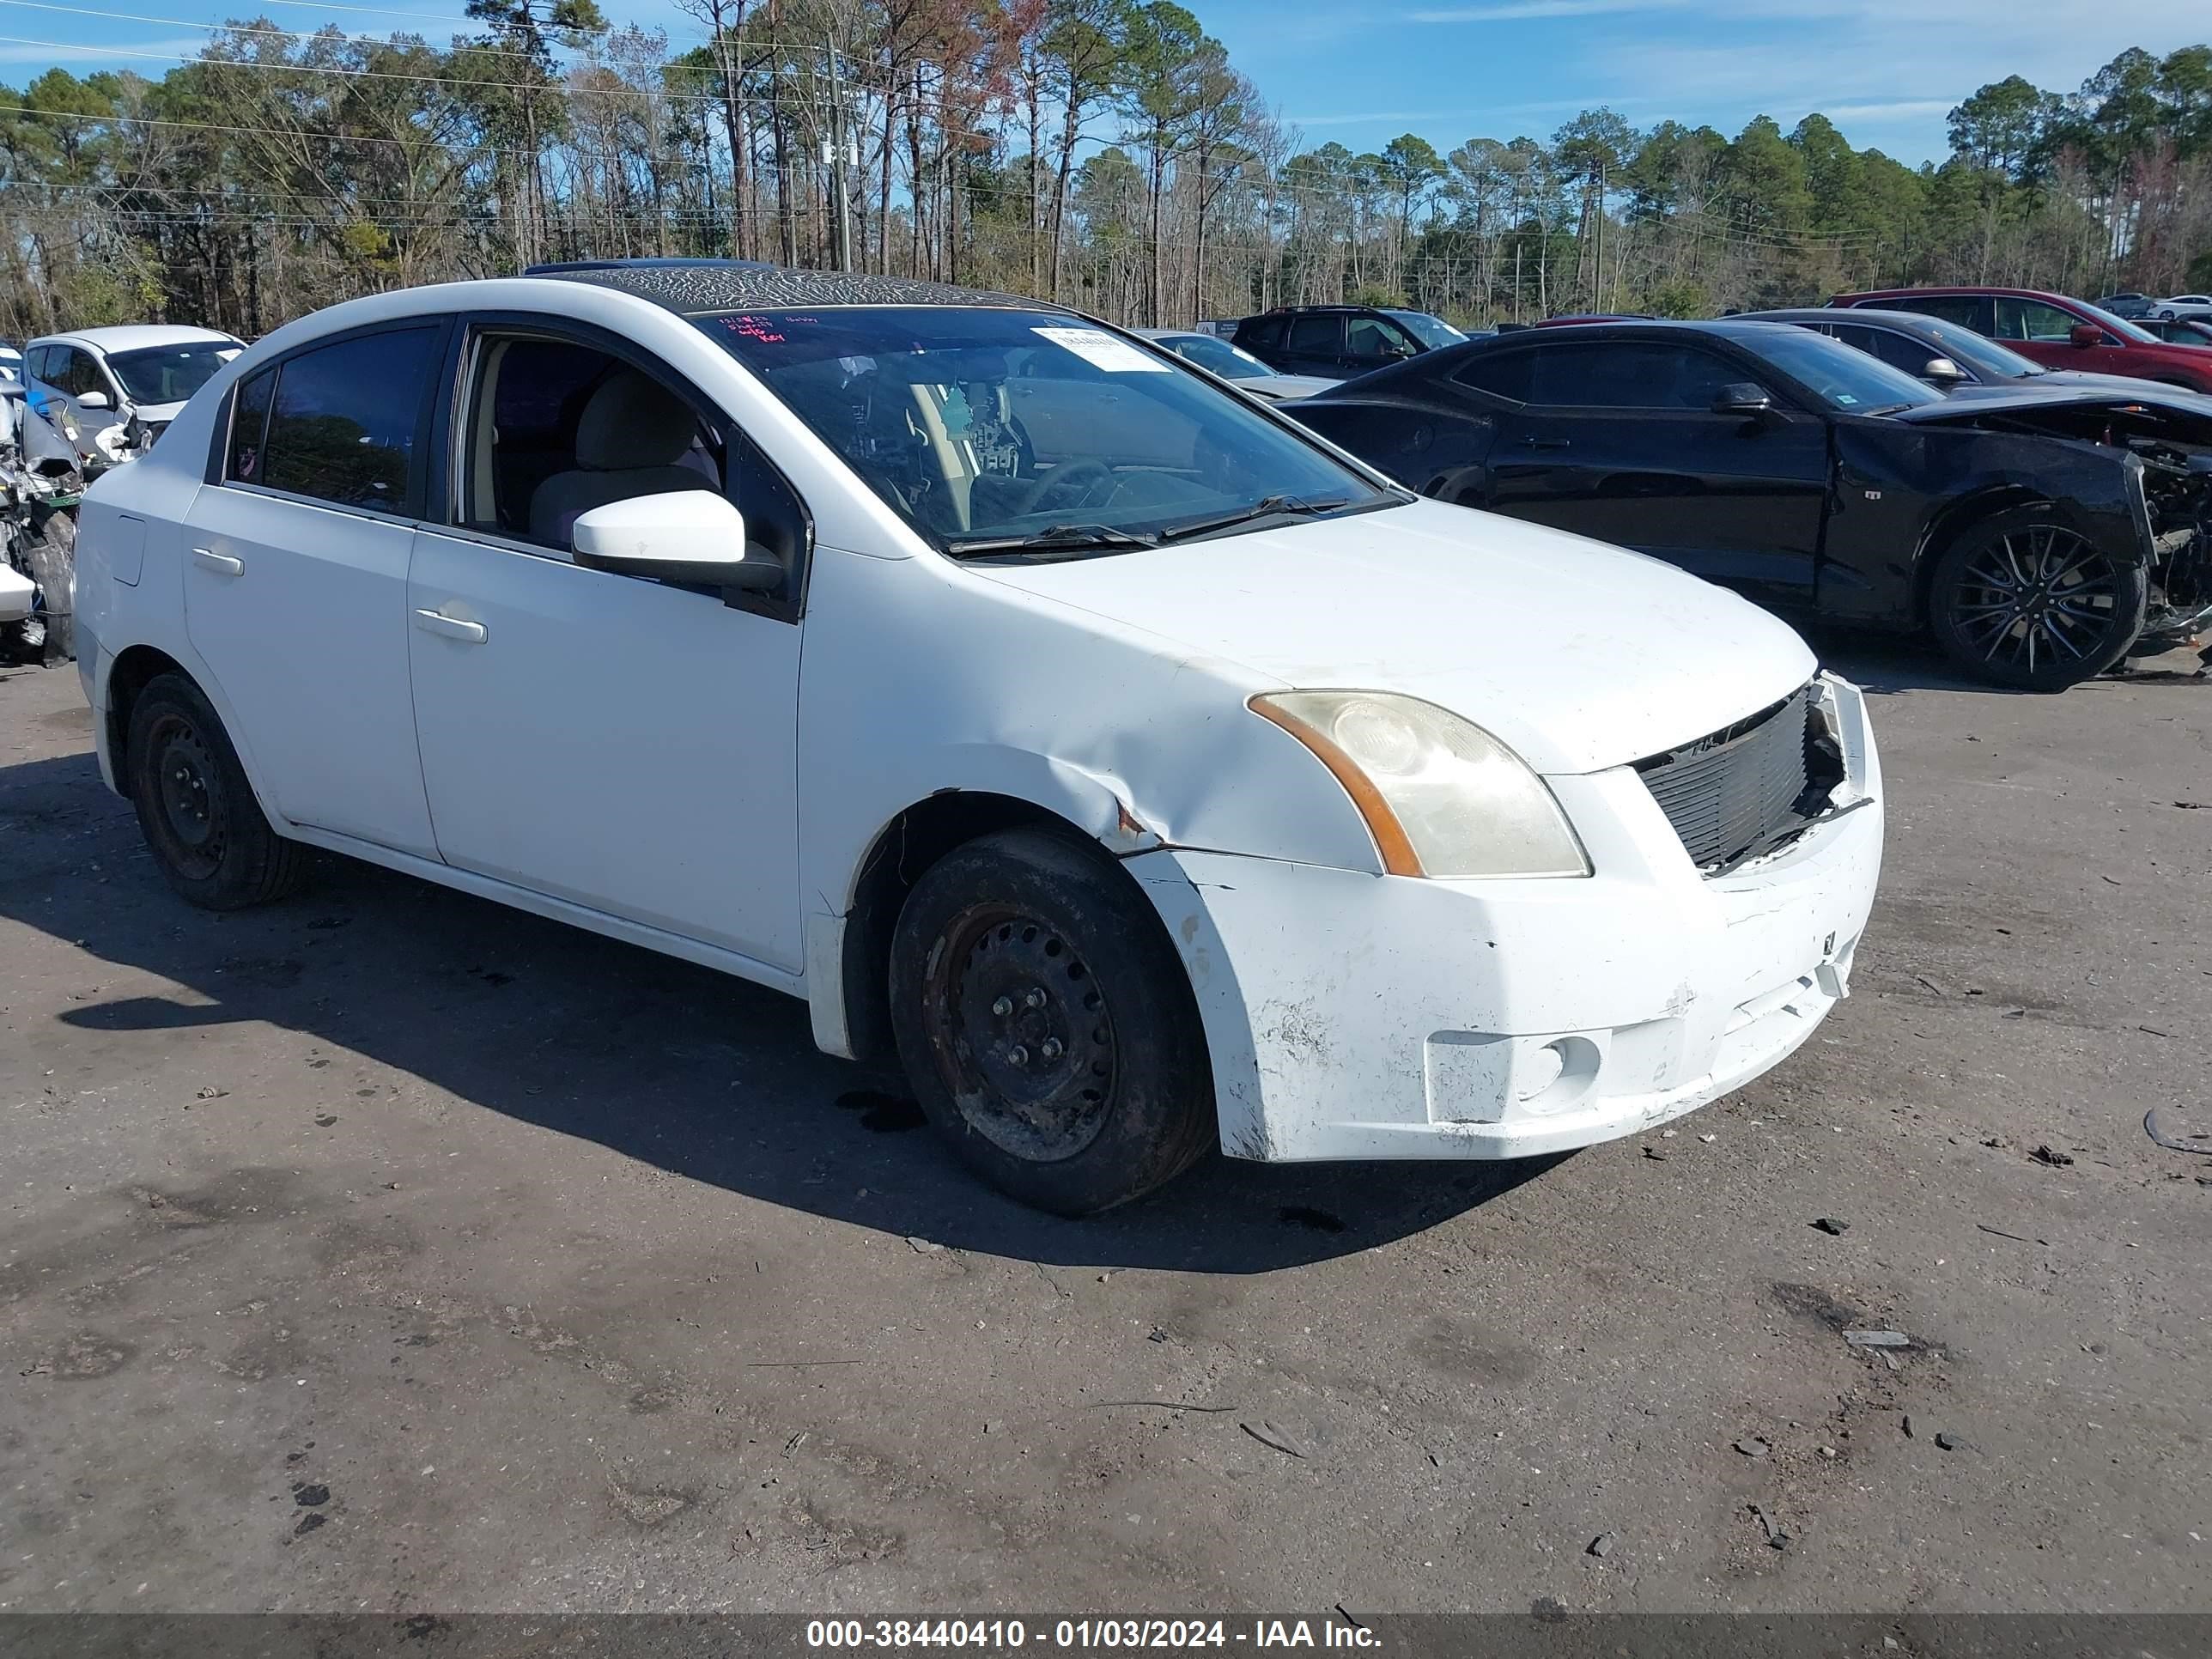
(2053, 330)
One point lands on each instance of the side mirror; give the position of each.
(684, 536)
(2086, 334)
(1743, 398)
(93, 400)
(1941, 371)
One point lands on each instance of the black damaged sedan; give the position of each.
(2037, 535)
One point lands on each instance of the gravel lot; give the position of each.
(389, 1250)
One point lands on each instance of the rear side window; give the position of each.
(249, 424)
(1260, 331)
(345, 422)
(1967, 310)
(1316, 336)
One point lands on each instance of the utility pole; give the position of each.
(1597, 281)
(837, 158)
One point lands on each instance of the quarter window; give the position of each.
(1316, 336)
(249, 427)
(344, 423)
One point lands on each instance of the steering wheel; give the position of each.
(1073, 484)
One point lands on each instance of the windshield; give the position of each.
(1430, 332)
(2120, 326)
(981, 425)
(169, 374)
(1980, 353)
(1841, 376)
(1222, 358)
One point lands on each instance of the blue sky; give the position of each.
(1884, 70)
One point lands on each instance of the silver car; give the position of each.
(1217, 356)
(89, 384)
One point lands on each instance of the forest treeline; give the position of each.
(1105, 152)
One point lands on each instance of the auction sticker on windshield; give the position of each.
(1101, 349)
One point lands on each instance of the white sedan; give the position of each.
(1233, 363)
(1140, 770)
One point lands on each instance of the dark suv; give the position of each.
(1337, 342)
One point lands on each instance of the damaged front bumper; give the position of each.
(1356, 1016)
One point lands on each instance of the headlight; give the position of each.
(1441, 796)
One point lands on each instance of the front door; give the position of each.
(296, 582)
(1618, 441)
(615, 742)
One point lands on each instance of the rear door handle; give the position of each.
(450, 628)
(1544, 443)
(222, 564)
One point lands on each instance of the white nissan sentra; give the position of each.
(1138, 768)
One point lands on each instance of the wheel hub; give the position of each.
(1022, 1034)
(188, 798)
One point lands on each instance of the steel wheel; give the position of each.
(2042, 596)
(1021, 1033)
(190, 807)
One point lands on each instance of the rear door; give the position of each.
(1617, 440)
(1314, 344)
(295, 579)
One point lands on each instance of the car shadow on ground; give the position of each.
(709, 1078)
(1888, 665)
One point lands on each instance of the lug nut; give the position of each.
(1035, 999)
(1018, 1055)
(1050, 1049)
(1003, 1007)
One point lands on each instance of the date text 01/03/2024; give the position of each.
(1005, 1635)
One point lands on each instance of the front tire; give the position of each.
(1047, 1026)
(2022, 600)
(197, 808)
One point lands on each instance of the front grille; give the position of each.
(1744, 788)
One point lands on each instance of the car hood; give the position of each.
(1577, 655)
(151, 413)
(1964, 407)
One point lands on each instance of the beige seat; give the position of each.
(631, 441)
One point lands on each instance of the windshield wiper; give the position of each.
(1267, 507)
(1053, 537)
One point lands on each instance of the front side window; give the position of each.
(981, 425)
(344, 423)
(1630, 374)
(79, 373)
(2033, 319)
(1371, 337)
(558, 428)
(169, 374)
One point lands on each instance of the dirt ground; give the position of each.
(388, 1251)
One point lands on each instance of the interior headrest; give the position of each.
(632, 423)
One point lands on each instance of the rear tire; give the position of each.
(197, 808)
(1047, 1026)
(2022, 600)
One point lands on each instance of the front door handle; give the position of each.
(222, 564)
(450, 628)
(1544, 443)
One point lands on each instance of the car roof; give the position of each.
(717, 285)
(1859, 314)
(1965, 289)
(133, 336)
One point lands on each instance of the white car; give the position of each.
(90, 383)
(2182, 307)
(1217, 356)
(1141, 771)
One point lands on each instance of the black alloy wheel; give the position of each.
(2025, 601)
